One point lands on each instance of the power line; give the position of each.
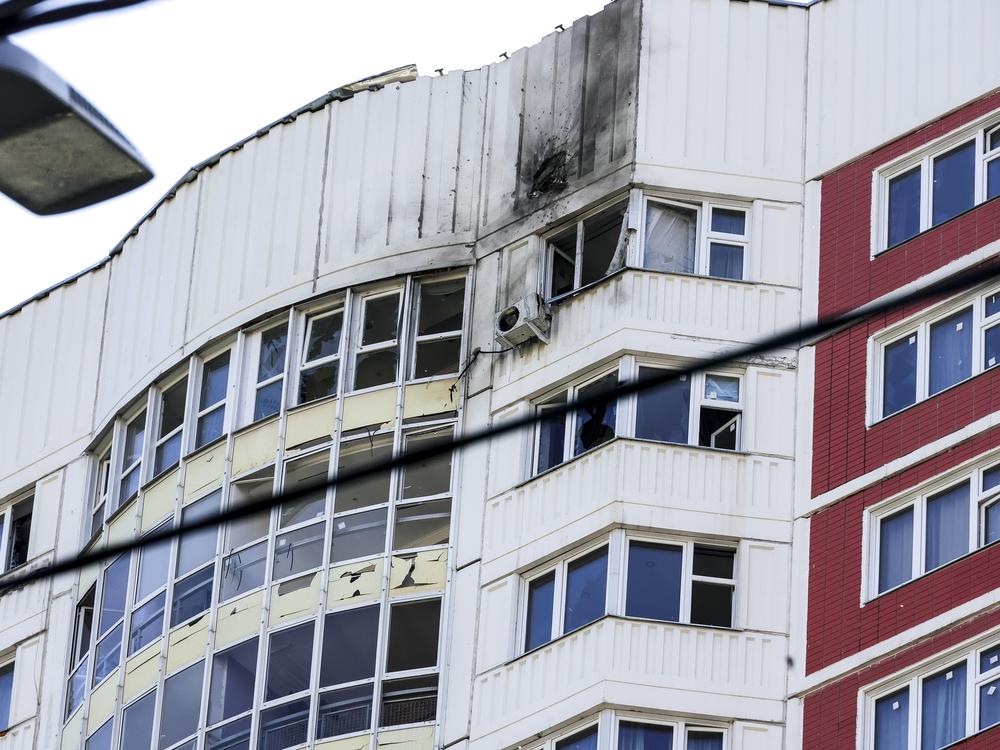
(14, 18)
(951, 285)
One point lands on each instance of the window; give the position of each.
(284, 726)
(171, 426)
(438, 336)
(409, 701)
(147, 623)
(181, 709)
(588, 250)
(659, 586)
(83, 628)
(15, 533)
(137, 723)
(344, 711)
(102, 489)
(212, 399)
(195, 548)
(6, 693)
(936, 184)
(289, 661)
(131, 473)
(350, 640)
(629, 732)
(234, 672)
(654, 579)
(270, 376)
(101, 739)
(560, 438)
(701, 238)
(585, 740)
(376, 356)
(413, 635)
(937, 705)
(321, 356)
(566, 598)
(917, 360)
(917, 535)
(192, 596)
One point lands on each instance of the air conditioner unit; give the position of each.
(528, 318)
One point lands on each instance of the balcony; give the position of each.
(648, 665)
(642, 484)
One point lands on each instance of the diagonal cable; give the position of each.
(792, 337)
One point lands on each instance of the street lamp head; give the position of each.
(57, 152)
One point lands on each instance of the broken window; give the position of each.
(198, 547)
(422, 525)
(720, 413)
(595, 424)
(181, 705)
(350, 640)
(137, 723)
(248, 489)
(408, 701)
(243, 571)
(375, 361)
(212, 399)
(284, 726)
(305, 472)
(135, 433)
(588, 250)
(438, 345)
(430, 476)
(678, 239)
(413, 635)
(192, 596)
(234, 672)
(358, 535)
(585, 428)
(147, 623)
(372, 489)
(270, 379)
(298, 551)
(289, 661)
(171, 427)
(345, 711)
(321, 356)
(108, 654)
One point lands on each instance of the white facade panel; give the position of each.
(880, 69)
(637, 663)
(48, 376)
(721, 91)
(641, 484)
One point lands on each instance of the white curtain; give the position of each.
(942, 711)
(670, 238)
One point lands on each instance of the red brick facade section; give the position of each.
(838, 626)
(830, 714)
(843, 447)
(848, 276)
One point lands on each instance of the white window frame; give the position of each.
(416, 339)
(571, 391)
(250, 386)
(920, 325)
(923, 158)
(140, 464)
(158, 391)
(11, 662)
(342, 305)
(681, 728)
(705, 235)
(979, 500)
(101, 495)
(630, 218)
(194, 389)
(688, 577)
(359, 308)
(6, 518)
(913, 677)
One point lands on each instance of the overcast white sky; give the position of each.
(185, 78)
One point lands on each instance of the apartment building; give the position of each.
(788, 551)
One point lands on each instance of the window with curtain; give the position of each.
(942, 711)
(947, 526)
(895, 564)
(891, 720)
(951, 351)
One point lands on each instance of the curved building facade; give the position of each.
(676, 570)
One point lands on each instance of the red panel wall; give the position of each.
(830, 714)
(838, 626)
(848, 276)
